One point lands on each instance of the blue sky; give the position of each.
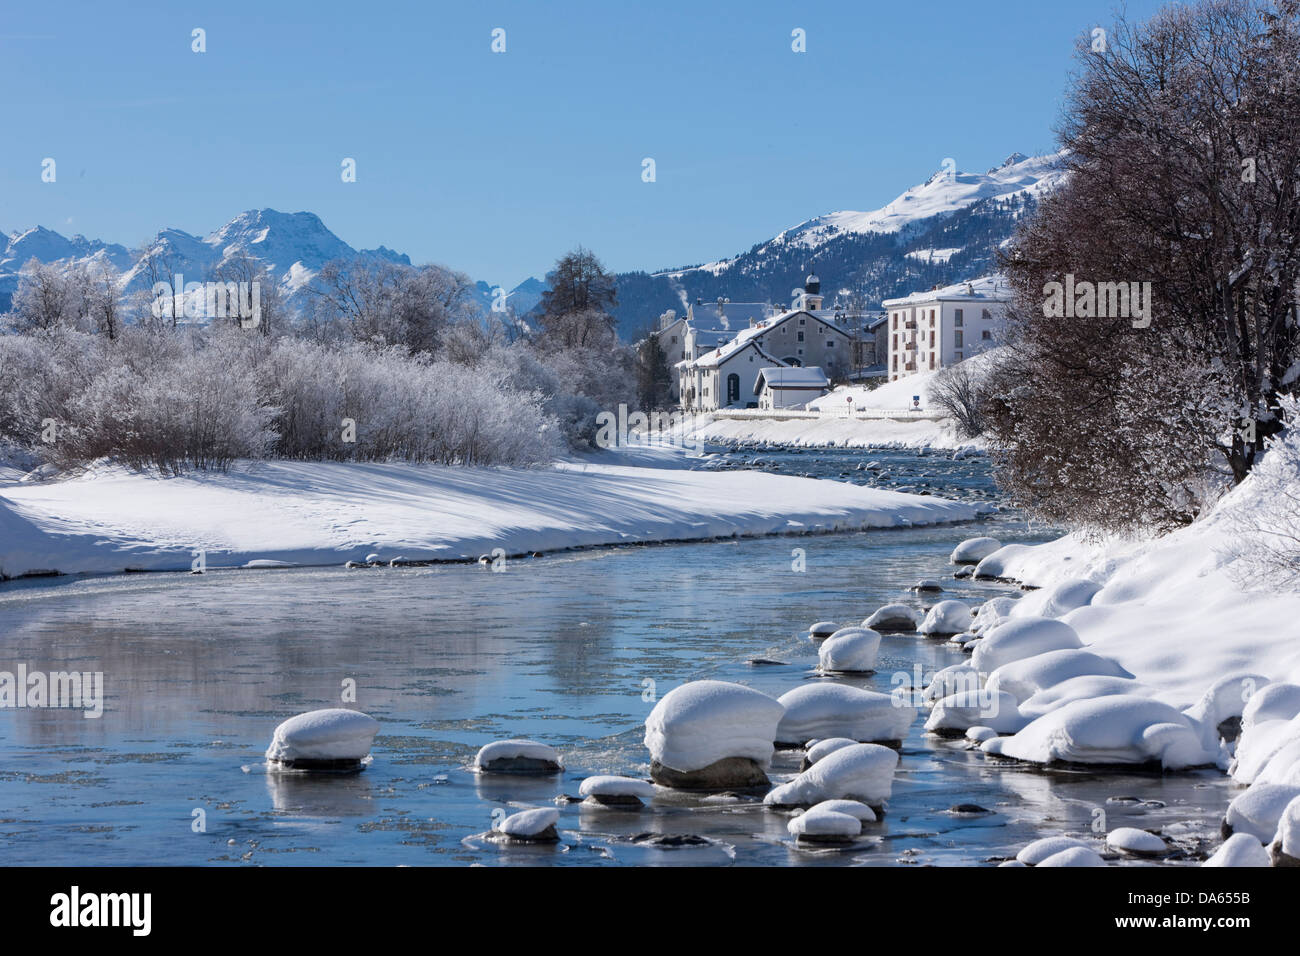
(496, 163)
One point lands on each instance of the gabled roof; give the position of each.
(786, 377)
(745, 335)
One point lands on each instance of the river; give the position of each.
(568, 648)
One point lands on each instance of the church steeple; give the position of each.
(811, 299)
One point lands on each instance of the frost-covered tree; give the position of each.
(1183, 139)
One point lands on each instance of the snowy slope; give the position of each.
(111, 519)
(941, 195)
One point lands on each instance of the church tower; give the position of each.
(810, 300)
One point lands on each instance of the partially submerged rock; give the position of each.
(862, 772)
(850, 650)
(894, 617)
(820, 710)
(974, 550)
(527, 757)
(333, 739)
(712, 735)
(530, 826)
(946, 618)
(618, 792)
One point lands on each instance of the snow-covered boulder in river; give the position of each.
(1258, 810)
(819, 710)
(333, 739)
(1240, 849)
(828, 822)
(850, 650)
(894, 617)
(822, 630)
(956, 714)
(530, 826)
(1136, 842)
(1118, 729)
(1285, 849)
(1020, 638)
(1000, 563)
(712, 735)
(974, 550)
(817, 749)
(622, 792)
(946, 618)
(1046, 847)
(862, 772)
(518, 756)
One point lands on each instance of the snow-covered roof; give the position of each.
(808, 377)
(749, 333)
(992, 288)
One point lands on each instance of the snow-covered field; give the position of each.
(110, 519)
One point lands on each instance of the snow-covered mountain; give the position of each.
(944, 230)
(291, 246)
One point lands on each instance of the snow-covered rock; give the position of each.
(1279, 701)
(1085, 687)
(854, 808)
(815, 711)
(1137, 842)
(518, 756)
(1046, 847)
(926, 585)
(946, 617)
(616, 791)
(822, 630)
(1108, 730)
(894, 617)
(850, 650)
(1240, 849)
(1020, 638)
(863, 772)
(958, 713)
(1024, 678)
(712, 734)
(329, 739)
(992, 613)
(1285, 849)
(531, 826)
(820, 824)
(960, 678)
(1267, 749)
(1074, 856)
(820, 748)
(1058, 600)
(996, 564)
(974, 550)
(1258, 810)
(980, 734)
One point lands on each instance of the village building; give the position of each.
(727, 376)
(935, 329)
(789, 387)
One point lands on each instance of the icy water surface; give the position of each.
(565, 648)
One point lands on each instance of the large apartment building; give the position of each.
(931, 330)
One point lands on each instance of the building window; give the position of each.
(956, 318)
(932, 338)
(674, 340)
(733, 388)
(830, 343)
(986, 335)
(957, 356)
(931, 360)
(988, 316)
(957, 338)
(801, 322)
(801, 335)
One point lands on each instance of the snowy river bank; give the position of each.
(571, 649)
